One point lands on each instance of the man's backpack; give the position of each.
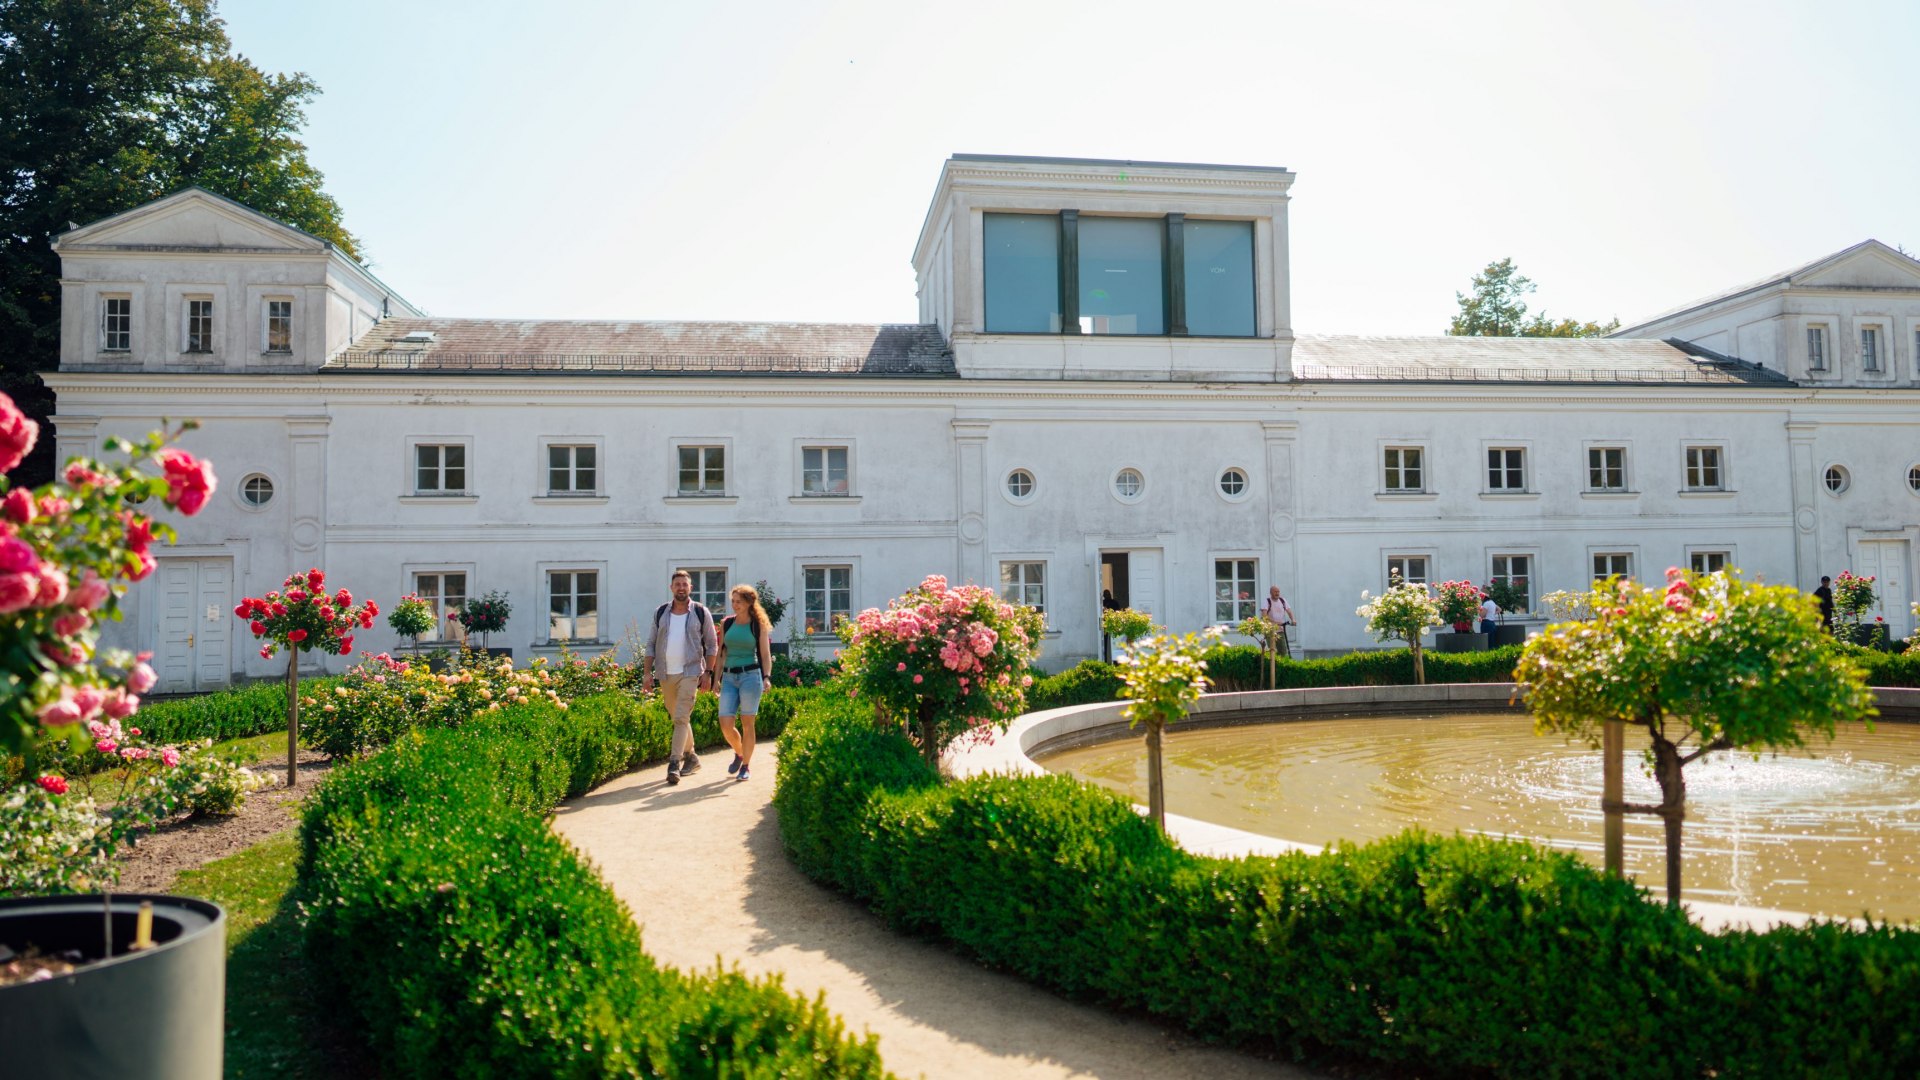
(695, 604)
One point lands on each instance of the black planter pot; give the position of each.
(1509, 635)
(160, 1012)
(498, 653)
(1458, 642)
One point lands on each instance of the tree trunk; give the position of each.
(929, 730)
(1669, 771)
(1612, 795)
(1419, 668)
(1156, 787)
(293, 716)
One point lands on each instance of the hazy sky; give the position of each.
(775, 160)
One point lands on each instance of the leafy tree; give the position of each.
(1710, 663)
(1403, 612)
(1497, 308)
(1161, 676)
(112, 103)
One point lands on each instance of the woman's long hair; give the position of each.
(754, 611)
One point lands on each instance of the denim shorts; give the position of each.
(740, 693)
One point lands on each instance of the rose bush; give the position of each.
(1459, 603)
(1403, 612)
(484, 615)
(301, 619)
(944, 661)
(381, 698)
(411, 617)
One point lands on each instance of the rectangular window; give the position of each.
(703, 470)
(1235, 592)
(710, 588)
(1122, 275)
(1816, 348)
(826, 596)
(1606, 468)
(1869, 348)
(1024, 583)
(1608, 564)
(1506, 469)
(1022, 266)
(1703, 468)
(1411, 569)
(1516, 570)
(823, 470)
(116, 323)
(573, 605)
(279, 326)
(440, 469)
(445, 592)
(1219, 278)
(1707, 562)
(199, 326)
(572, 470)
(1403, 472)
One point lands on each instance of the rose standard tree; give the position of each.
(944, 661)
(1710, 663)
(301, 619)
(1402, 613)
(1162, 676)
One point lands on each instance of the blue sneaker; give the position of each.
(735, 767)
(743, 773)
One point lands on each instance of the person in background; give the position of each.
(1489, 614)
(746, 666)
(1825, 594)
(1274, 609)
(1107, 603)
(684, 647)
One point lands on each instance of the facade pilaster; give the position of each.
(970, 510)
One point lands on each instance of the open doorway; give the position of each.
(1114, 580)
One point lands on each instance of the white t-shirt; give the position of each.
(677, 642)
(1489, 609)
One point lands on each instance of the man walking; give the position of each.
(684, 646)
(1825, 595)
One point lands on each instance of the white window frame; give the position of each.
(1872, 339)
(727, 469)
(700, 571)
(1386, 470)
(1220, 483)
(801, 447)
(1113, 484)
(546, 570)
(1532, 575)
(801, 566)
(1389, 558)
(266, 325)
(1630, 554)
(212, 340)
(1626, 468)
(1912, 479)
(411, 464)
(1724, 482)
(1006, 486)
(1489, 447)
(445, 630)
(1023, 590)
(1251, 604)
(240, 491)
(1725, 551)
(106, 322)
(1846, 479)
(599, 446)
(1818, 359)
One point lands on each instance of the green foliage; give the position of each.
(484, 614)
(1162, 676)
(1402, 613)
(1497, 308)
(411, 617)
(225, 714)
(1125, 624)
(775, 607)
(1444, 957)
(466, 939)
(1237, 668)
(1511, 598)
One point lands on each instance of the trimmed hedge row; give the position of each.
(1457, 957)
(468, 940)
(255, 709)
(1241, 667)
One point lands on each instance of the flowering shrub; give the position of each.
(769, 603)
(1564, 605)
(484, 615)
(1458, 603)
(381, 698)
(1853, 596)
(305, 618)
(945, 661)
(1126, 624)
(572, 677)
(411, 617)
(1403, 612)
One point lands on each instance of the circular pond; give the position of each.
(1832, 830)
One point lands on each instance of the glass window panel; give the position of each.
(279, 326)
(1219, 278)
(1122, 287)
(1022, 267)
(427, 468)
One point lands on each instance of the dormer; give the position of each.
(1075, 268)
(1851, 318)
(196, 282)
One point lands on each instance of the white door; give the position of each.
(1886, 560)
(196, 602)
(1143, 581)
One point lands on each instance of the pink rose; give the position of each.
(106, 746)
(90, 593)
(18, 557)
(73, 622)
(53, 505)
(18, 506)
(169, 757)
(133, 753)
(52, 587)
(142, 678)
(140, 566)
(59, 713)
(901, 666)
(64, 655)
(189, 480)
(139, 532)
(918, 679)
(89, 699)
(17, 591)
(120, 705)
(266, 652)
(17, 434)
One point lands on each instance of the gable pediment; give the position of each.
(1871, 265)
(190, 220)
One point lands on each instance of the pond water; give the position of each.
(1832, 830)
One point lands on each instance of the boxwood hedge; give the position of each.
(466, 939)
(1446, 956)
(1240, 667)
(255, 709)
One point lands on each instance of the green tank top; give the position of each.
(741, 649)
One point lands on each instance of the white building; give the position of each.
(1105, 390)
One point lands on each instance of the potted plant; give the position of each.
(485, 615)
(410, 618)
(77, 996)
(1459, 605)
(1512, 600)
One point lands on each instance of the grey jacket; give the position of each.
(702, 640)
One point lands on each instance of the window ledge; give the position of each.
(441, 500)
(702, 500)
(1706, 493)
(1406, 496)
(574, 644)
(1605, 493)
(1509, 496)
(830, 500)
(577, 500)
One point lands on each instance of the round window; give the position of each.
(1020, 483)
(1837, 479)
(1128, 484)
(1233, 483)
(257, 490)
(1913, 479)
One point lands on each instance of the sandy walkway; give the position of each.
(701, 866)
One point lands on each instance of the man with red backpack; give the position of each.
(684, 646)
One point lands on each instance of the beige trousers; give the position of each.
(676, 692)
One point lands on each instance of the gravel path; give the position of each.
(702, 868)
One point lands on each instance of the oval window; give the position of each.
(1837, 479)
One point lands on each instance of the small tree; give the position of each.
(1162, 676)
(1402, 613)
(1270, 635)
(484, 616)
(1711, 663)
(302, 619)
(1853, 597)
(1458, 603)
(410, 618)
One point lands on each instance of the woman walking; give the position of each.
(746, 657)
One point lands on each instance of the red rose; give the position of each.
(266, 652)
(343, 598)
(372, 610)
(139, 532)
(257, 627)
(56, 785)
(346, 645)
(240, 610)
(316, 579)
(140, 566)
(18, 506)
(295, 596)
(189, 480)
(17, 590)
(297, 636)
(17, 434)
(278, 609)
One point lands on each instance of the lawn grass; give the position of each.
(274, 1026)
(256, 749)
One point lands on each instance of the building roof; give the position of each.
(1357, 358)
(571, 346)
(1023, 159)
(1784, 277)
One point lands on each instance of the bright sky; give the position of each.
(774, 160)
